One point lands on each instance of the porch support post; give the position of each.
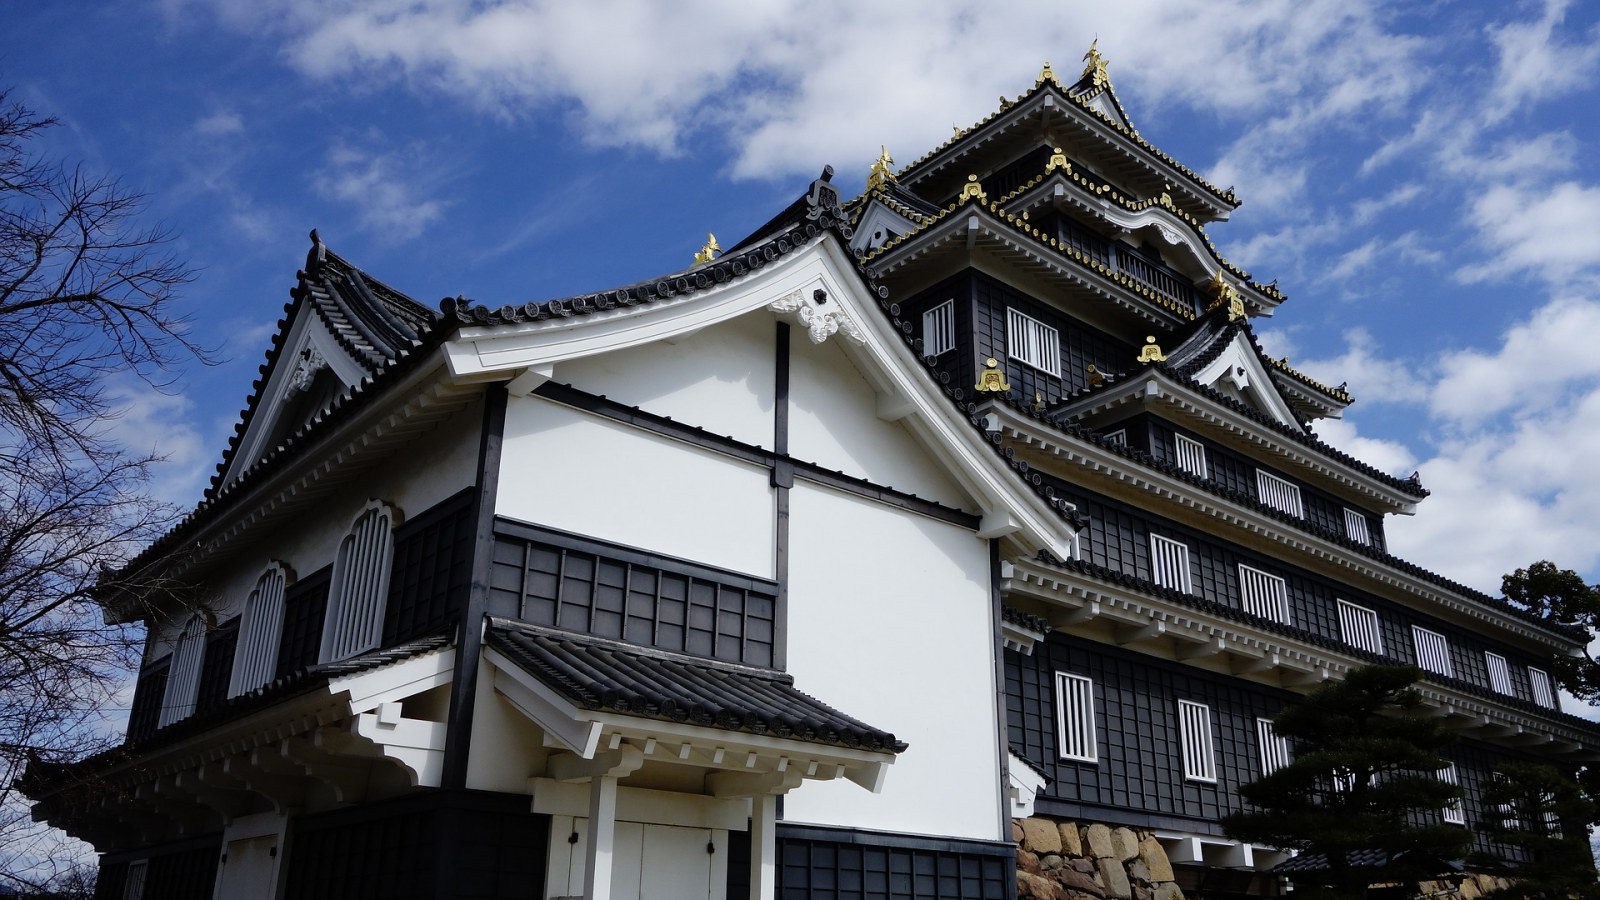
(602, 838)
(763, 847)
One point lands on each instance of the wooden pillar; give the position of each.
(597, 864)
(763, 847)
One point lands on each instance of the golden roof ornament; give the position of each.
(972, 189)
(881, 172)
(1224, 293)
(710, 251)
(1095, 66)
(1058, 160)
(991, 380)
(1095, 376)
(1047, 74)
(1151, 352)
(1038, 402)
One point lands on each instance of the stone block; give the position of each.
(1079, 882)
(1071, 840)
(1035, 887)
(1142, 892)
(1115, 878)
(1016, 831)
(1028, 861)
(1167, 891)
(1041, 836)
(1098, 837)
(1086, 866)
(1051, 862)
(1124, 844)
(1139, 872)
(1154, 856)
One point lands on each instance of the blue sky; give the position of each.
(1421, 178)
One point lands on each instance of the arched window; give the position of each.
(360, 584)
(183, 676)
(255, 660)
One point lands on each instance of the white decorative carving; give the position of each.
(306, 369)
(1168, 234)
(819, 324)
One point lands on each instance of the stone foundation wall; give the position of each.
(1066, 861)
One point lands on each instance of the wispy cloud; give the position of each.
(1537, 63)
(219, 124)
(384, 191)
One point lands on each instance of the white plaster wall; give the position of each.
(719, 378)
(577, 472)
(890, 621)
(833, 421)
(414, 478)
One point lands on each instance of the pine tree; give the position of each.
(1543, 812)
(1365, 775)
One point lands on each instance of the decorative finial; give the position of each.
(1224, 294)
(1058, 160)
(1038, 402)
(1095, 66)
(1096, 377)
(710, 251)
(1151, 351)
(1047, 74)
(991, 380)
(972, 189)
(881, 172)
(1166, 196)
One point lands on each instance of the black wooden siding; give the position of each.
(1118, 537)
(305, 605)
(580, 584)
(432, 571)
(823, 864)
(147, 695)
(468, 846)
(182, 871)
(216, 667)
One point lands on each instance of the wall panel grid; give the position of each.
(133, 886)
(939, 329)
(1543, 694)
(360, 586)
(1454, 812)
(1169, 563)
(1433, 651)
(1075, 712)
(1030, 341)
(1191, 456)
(1199, 754)
(1279, 494)
(183, 678)
(1499, 672)
(1359, 627)
(1118, 437)
(1264, 595)
(1355, 527)
(1273, 747)
(256, 657)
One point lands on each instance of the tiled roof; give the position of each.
(1371, 858)
(611, 676)
(1025, 620)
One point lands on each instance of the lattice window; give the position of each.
(1454, 812)
(255, 660)
(1075, 710)
(1118, 437)
(1507, 811)
(1499, 672)
(1032, 342)
(1273, 747)
(1264, 595)
(1194, 726)
(1169, 563)
(133, 885)
(1355, 526)
(1433, 651)
(1359, 626)
(1279, 494)
(360, 585)
(939, 329)
(1192, 456)
(1543, 693)
(183, 677)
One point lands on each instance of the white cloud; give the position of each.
(1553, 234)
(219, 124)
(1538, 363)
(1370, 376)
(384, 191)
(1537, 63)
(151, 421)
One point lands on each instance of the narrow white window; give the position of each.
(1433, 651)
(1508, 812)
(1499, 672)
(1033, 342)
(1264, 595)
(1552, 822)
(1192, 456)
(1355, 526)
(1453, 811)
(939, 329)
(1169, 563)
(183, 675)
(360, 583)
(1359, 627)
(255, 660)
(1279, 494)
(1194, 725)
(1543, 693)
(1118, 437)
(133, 885)
(1273, 747)
(1075, 707)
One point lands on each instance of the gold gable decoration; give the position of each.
(1151, 352)
(992, 380)
(1095, 66)
(882, 172)
(1224, 294)
(1047, 74)
(1058, 160)
(972, 189)
(711, 250)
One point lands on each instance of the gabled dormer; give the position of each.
(341, 326)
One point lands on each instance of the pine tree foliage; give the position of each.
(1543, 812)
(1363, 792)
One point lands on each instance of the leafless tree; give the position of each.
(86, 297)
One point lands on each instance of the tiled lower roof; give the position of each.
(611, 676)
(1371, 858)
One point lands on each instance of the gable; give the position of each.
(1237, 372)
(879, 225)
